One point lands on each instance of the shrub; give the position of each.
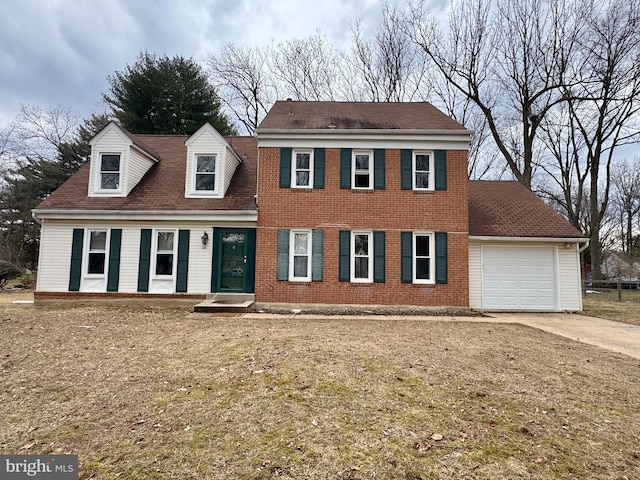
(8, 271)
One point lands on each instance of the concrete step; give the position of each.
(209, 306)
(226, 302)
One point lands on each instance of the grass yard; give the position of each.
(142, 393)
(606, 305)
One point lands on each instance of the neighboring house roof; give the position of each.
(294, 115)
(508, 209)
(163, 186)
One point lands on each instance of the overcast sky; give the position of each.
(60, 52)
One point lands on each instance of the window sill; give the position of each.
(423, 192)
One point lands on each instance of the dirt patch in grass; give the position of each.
(142, 393)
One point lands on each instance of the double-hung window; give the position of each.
(423, 258)
(97, 252)
(165, 252)
(423, 171)
(109, 174)
(302, 169)
(362, 169)
(205, 173)
(300, 256)
(362, 257)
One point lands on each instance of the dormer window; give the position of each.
(206, 172)
(110, 172)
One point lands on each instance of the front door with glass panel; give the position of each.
(233, 260)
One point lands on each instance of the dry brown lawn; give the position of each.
(142, 393)
(606, 305)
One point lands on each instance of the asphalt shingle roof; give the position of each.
(287, 115)
(508, 209)
(163, 186)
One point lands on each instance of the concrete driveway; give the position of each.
(615, 336)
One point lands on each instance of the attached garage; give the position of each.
(523, 256)
(519, 278)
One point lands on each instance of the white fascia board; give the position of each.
(414, 139)
(528, 239)
(246, 216)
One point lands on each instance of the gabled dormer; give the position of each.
(118, 162)
(211, 163)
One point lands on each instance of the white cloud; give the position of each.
(60, 52)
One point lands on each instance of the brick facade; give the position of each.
(391, 210)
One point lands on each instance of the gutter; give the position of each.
(249, 216)
(485, 238)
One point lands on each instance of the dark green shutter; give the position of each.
(345, 168)
(183, 261)
(317, 255)
(441, 257)
(440, 162)
(283, 255)
(250, 265)
(145, 260)
(379, 181)
(406, 169)
(216, 259)
(379, 257)
(318, 167)
(406, 253)
(113, 278)
(285, 167)
(344, 249)
(76, 260)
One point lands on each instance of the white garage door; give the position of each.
(519, 278)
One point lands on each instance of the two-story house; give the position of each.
(331, 202)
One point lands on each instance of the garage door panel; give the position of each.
(519, 278)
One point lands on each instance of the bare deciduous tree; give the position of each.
(387, 68)
(512, 59)
(306, 69)
(241, 78)
(625, 177)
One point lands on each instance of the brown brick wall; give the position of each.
(333, 209)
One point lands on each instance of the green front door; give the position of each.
(233, 261)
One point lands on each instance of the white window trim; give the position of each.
(431, 169)
(154, 255)
(98, 176)
(353, 169)
(352, 257)
(292, 255)
(86, 251)
(432, 258)
(294, 183)
(194, 175)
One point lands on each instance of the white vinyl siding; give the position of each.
(207, 141)
(111, 142)
(570, 278)
(133, 164)
(475, 275)
(561, 274)
(135, 169)
(55, 254)
(231, 162)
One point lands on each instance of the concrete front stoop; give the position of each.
(226, 302)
